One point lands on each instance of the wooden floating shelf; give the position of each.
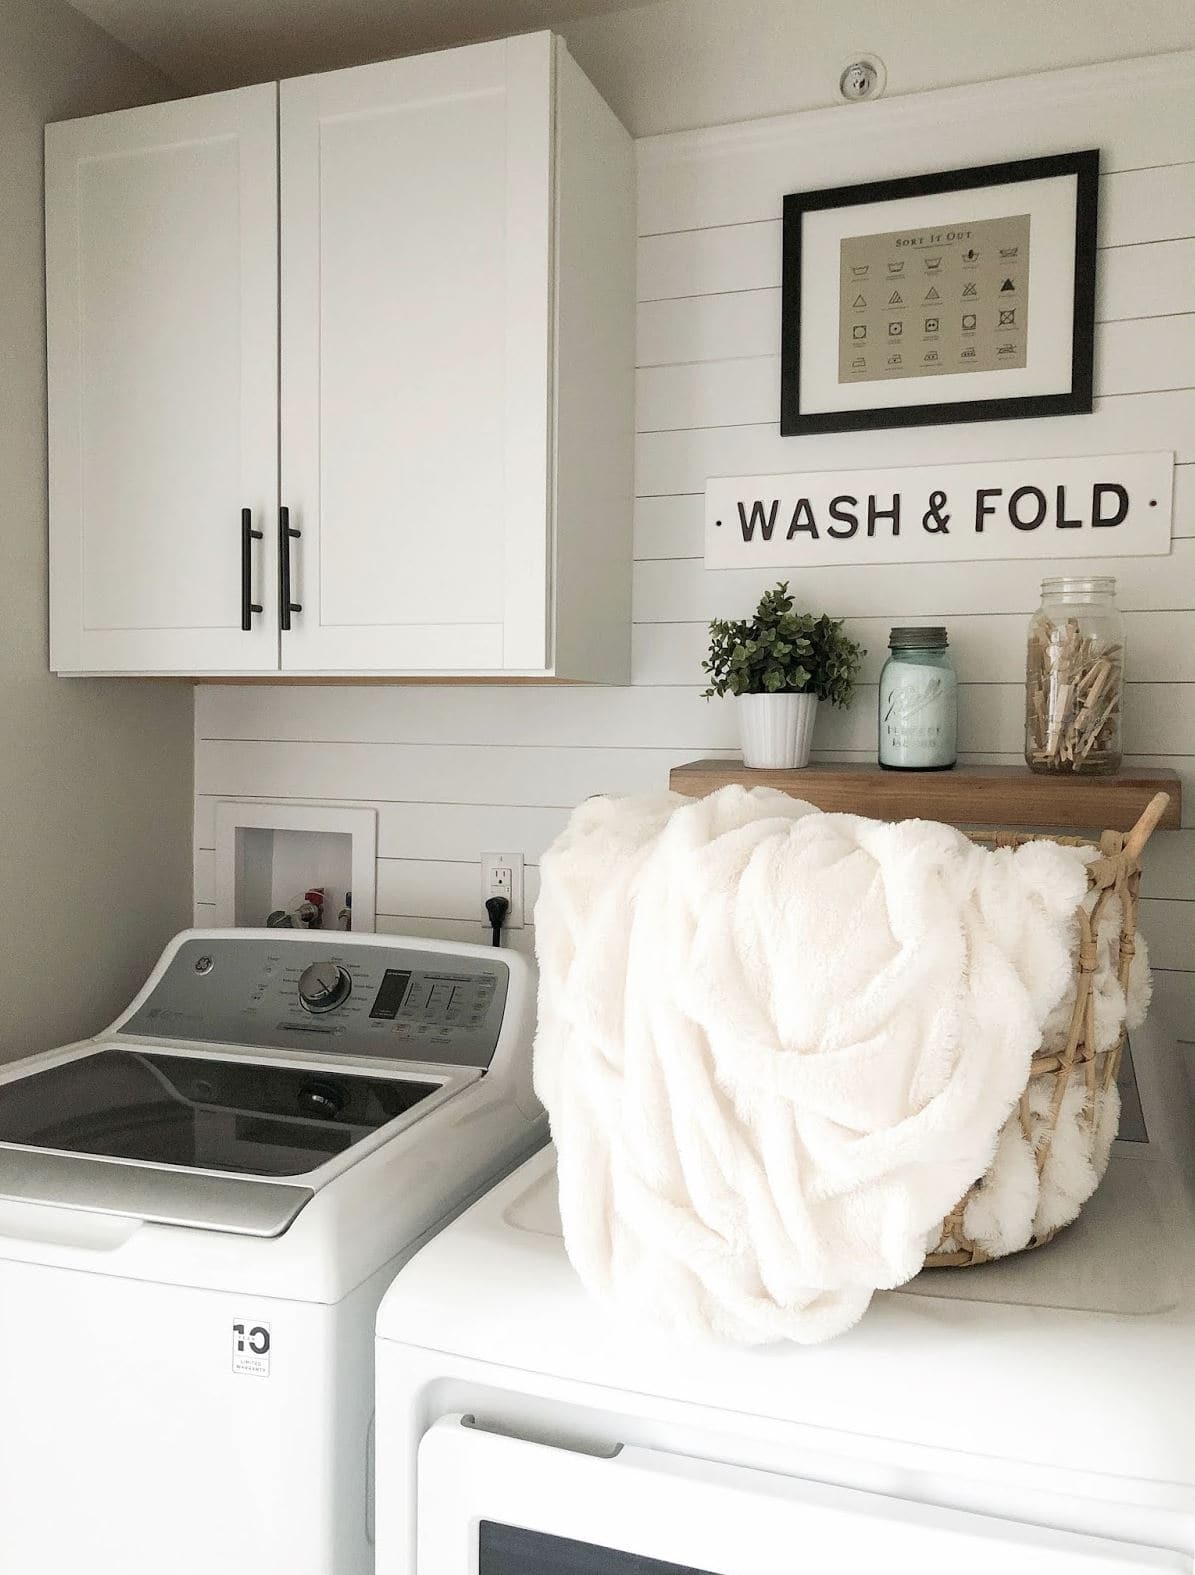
(964, 796)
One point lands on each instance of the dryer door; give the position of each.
(490, 1504)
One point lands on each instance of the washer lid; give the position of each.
(215, 1123)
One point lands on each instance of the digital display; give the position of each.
(390, 994)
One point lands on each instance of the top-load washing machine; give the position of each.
(199, 1212)
(1035, 1415)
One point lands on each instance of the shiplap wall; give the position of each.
(457, 771)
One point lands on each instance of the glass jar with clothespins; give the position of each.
(1074, 678)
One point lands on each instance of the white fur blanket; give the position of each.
(777, 1046)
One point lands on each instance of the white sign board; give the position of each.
(1110, 506)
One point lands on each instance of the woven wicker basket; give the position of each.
(1117, 872)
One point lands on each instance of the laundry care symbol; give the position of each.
(970, 290)
(895, 330)
(931, 325)
(932, 295)
(896, 299)
(971, 255)
(1007, 285)
(896, 267)
(968, 321)
(859, 301)
(932, 264)
(859, 331)
(861, 270)
(1007, 319)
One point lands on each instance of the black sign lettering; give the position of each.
(1098, 493)
(874, 514)
(1061, 521)
(1014, 507)
(766, 523)
(935, 519)
(839, 511)
(983, 509)
(802, 520)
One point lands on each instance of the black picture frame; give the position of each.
(1084, 166)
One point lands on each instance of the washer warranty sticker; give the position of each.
(251, 1349)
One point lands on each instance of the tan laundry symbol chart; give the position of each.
(959, 263)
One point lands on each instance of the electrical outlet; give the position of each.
(502, 876)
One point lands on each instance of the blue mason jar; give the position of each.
(918, 703)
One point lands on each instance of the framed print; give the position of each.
(964, 296)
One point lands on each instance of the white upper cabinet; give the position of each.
(445, 485)
(162, 307)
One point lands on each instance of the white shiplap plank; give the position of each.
(429, 888)
(617, 723)
(424, 892)
(418, 927)
(1169, 928)
(670, 527)
(475, 934)
(452, 833)
(735, 174)
(670, 462)
(681, 592)
(1169, 871)
(1131, 358)
(434, 890)
(1152, 352)
(986, 648)
(441, 773)
(1135, 278)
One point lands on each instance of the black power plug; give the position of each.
(497, 908)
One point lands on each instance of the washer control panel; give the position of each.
(357, 1000)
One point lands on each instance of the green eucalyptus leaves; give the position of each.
(780, 651)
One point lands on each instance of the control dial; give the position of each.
(324, 986)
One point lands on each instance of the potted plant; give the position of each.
(778, 665)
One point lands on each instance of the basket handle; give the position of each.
(1134, 844)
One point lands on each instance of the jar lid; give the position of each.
(927, 639)
(1079, 585)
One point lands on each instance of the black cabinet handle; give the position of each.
(248, 537)
(285, 536)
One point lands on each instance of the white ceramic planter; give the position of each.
(776, 730)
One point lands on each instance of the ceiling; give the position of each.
(207, 44)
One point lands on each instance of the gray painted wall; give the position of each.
(95, 776)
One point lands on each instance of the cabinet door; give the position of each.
(416, 301)
(162, 305)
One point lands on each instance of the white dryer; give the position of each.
(199, 1212)
(1035, 1415)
